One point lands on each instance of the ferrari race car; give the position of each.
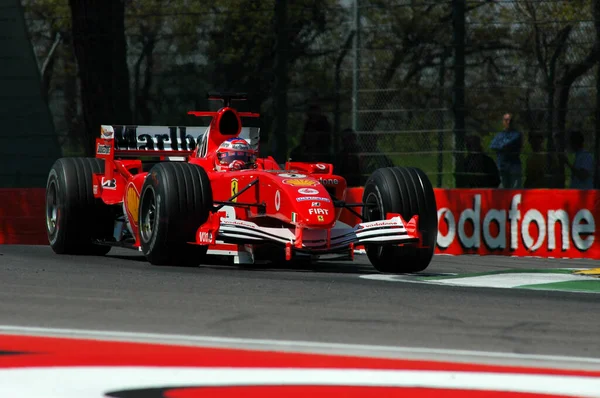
(177, 195)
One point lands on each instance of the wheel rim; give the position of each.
(52, 207)
(148, 222)
(373, 212)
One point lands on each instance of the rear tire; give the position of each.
(176, 199)
(407, 191)
(74, 218)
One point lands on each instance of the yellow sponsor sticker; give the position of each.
(301, 182)
(133, 203)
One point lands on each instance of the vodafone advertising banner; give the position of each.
(538, 222)
(545, 223)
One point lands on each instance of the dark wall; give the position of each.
(28, 142)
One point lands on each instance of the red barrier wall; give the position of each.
(22, 216)
(543, 223)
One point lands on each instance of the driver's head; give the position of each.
(234, 154)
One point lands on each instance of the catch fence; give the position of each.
(403, 83)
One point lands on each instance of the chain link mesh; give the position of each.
(520, 57)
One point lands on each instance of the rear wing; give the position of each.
(177, 141)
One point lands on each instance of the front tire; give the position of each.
(74, 218)
(176, 199)
(408, 192)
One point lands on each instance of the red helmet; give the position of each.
(234, 154)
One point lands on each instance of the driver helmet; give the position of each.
(234, 154)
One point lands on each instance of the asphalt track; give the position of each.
(326, 303)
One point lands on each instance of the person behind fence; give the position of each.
(539, 166)
(478, 169)
(349, 165)
(375, 158)
(582, 168)
(507, 144)
(315, 143)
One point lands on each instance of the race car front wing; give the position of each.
(393, 230)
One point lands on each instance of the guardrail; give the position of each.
(537, 222)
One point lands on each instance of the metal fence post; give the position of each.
(458, 90)
(356, 66)
(280, 105)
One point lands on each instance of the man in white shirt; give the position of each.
(582, 169)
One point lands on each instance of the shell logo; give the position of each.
(132, 201)
(301, 182)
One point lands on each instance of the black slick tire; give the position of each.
(408, 192)
(74, 218)
(176, 199)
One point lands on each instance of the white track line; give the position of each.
(494, 281)
(90, 381)
(546, 361)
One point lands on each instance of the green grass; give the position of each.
(426, 157)
(579, 286)
(417, 150)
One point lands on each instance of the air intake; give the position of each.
(229, 123)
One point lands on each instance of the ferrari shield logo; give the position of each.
(320, 218)
(234, 188)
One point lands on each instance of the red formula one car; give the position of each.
(205, 192)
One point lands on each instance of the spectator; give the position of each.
(376, 158)
(349, 159)
(582, 169)
(478, 169)
(507, 145)
(539, 166)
